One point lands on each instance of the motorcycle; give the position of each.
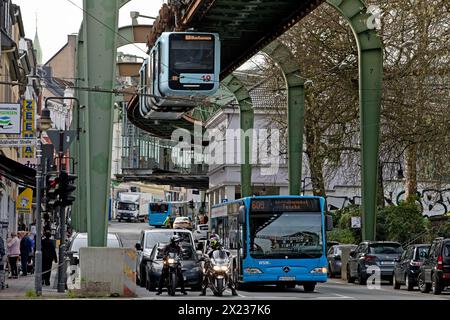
(218, 272)
(173, 263)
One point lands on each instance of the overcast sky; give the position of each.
(59, 18)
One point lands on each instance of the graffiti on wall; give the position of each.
(432, 202)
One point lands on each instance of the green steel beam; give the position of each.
(286, 61)
(100, 39)
(246, 118)
(370, 86)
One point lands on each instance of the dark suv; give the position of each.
(381, 254)
(435, 271)
(407, 267)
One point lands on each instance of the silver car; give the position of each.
(334, 259)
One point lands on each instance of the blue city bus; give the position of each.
(159, 211)
(275, 240)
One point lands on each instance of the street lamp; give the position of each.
(135, 14)
(44, 124)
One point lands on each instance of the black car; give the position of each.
(407, 267)
(368, 254)
(190, 267)
(434, 273)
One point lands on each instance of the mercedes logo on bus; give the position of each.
(286, 269)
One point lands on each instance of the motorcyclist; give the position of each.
(172, 247)
(214, 244)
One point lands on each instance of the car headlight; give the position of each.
(171, 260)
(319, 270)
(252, 270)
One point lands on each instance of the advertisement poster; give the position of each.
(28, 127)
(10, 118)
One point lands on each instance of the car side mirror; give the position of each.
(328, 223)
(138, 247)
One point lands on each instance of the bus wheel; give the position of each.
(309, 287)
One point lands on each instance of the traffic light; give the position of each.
(52, 190)
(67, 187)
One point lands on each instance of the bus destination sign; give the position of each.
(285, 205)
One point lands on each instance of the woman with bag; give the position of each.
(13, 254)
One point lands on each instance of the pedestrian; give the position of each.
(26, 248)
(47, 223)
(13, 245)
(48, 256)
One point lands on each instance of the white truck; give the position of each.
(133, 206)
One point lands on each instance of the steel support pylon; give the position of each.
(370, 85)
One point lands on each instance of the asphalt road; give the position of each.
(334, 289)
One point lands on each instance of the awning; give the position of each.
(17, 172)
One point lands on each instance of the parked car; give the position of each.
(407, 268)
(331, 243)
(381, 254)
(434, 273)
(182, 223)
(79, 240)
(190, 267)
(334, 258)
(201, 232)
(147, 241)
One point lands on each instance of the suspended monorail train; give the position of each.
(181, 69)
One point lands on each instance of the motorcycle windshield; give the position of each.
(220, 257)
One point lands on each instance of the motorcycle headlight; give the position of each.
(216, 268)
(319, 270)
(224, 268)
(171, 260)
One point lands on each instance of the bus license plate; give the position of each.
(286, 278)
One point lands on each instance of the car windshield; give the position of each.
(338, 250)
(153, 238)
(289, 235)
(385, 248)
(421, 253)
(81, 242)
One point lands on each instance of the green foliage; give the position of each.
(30, 293)
(341, 236)
(400, 223)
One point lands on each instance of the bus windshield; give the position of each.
(158, 207)
(291, 235)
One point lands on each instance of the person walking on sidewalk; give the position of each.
(13, 254)
(26, 248)
(48, 256)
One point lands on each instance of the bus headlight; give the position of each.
(252, 271)
(319, 270)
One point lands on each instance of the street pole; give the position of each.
(38, 253)
(62, 224)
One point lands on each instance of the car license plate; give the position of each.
(286, 278)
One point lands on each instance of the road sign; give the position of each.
(67, 137)
(356, 222)
(17, 142)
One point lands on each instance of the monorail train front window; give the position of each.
(191, 56)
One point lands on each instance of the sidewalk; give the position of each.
(24, 288)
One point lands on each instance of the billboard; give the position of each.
(10, 118)
(28, 127)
